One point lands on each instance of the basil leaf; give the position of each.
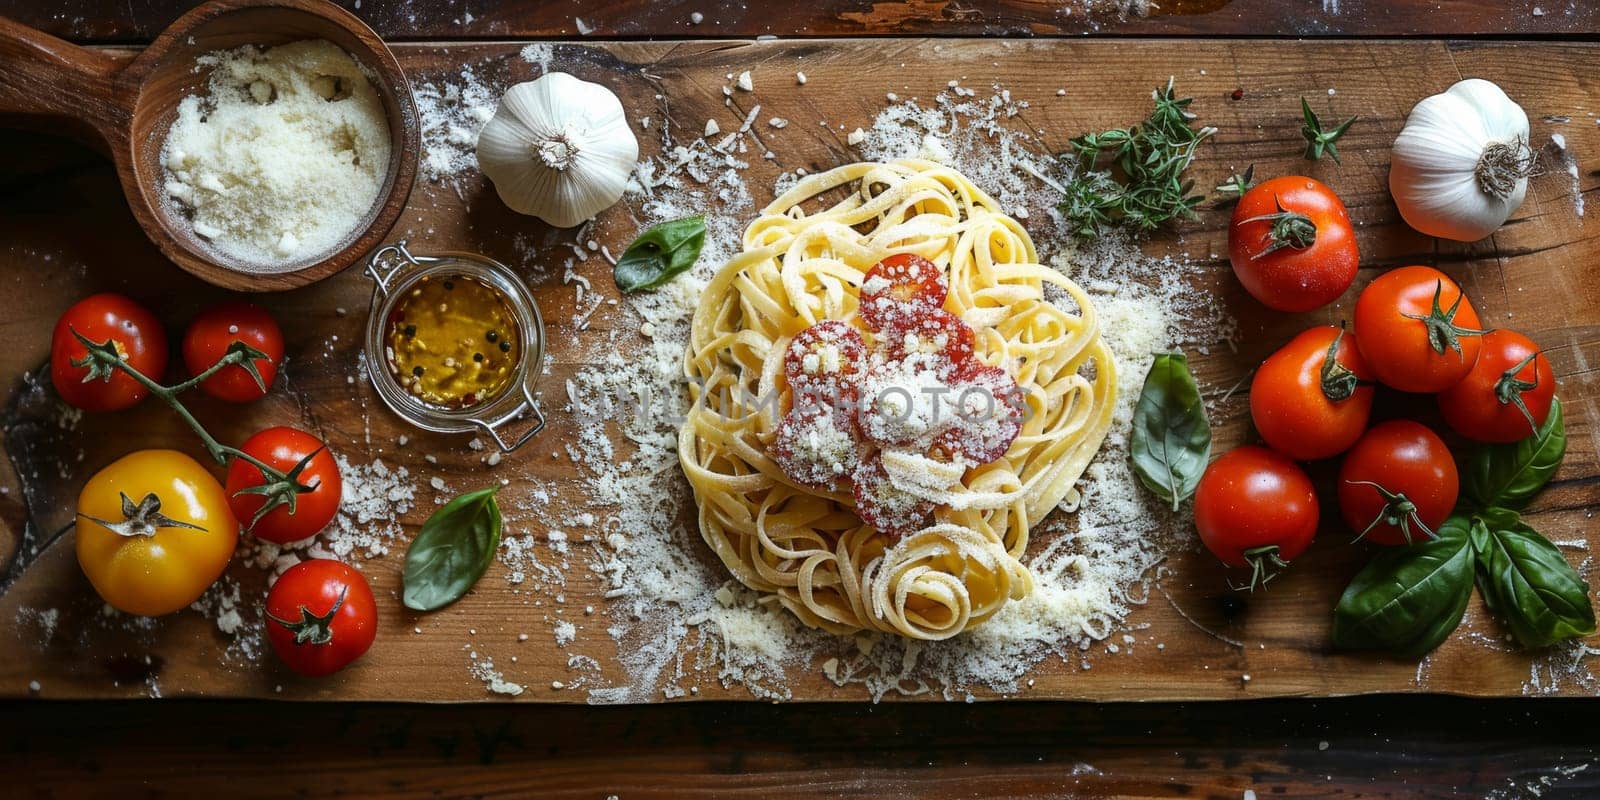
(1171, 440)
(660, 253)
(1481, 545)
(1528, 583)
(1509, 475)
(452, 550)
(1408, 600)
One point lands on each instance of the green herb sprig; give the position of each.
(1134, 175)
(1239, 183)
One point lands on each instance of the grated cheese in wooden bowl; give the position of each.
(283, 158)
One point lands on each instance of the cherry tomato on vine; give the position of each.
(1308, 400)
(216, 329)
(154, 530)
(1416, 329)
(1398, 484)
(133, 330)
(1255, 508)
(1506, 396)
(321, 616)
(307, 461)
(1292, 245)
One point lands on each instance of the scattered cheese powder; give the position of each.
(452, 112)
(282, 159)
(493, 680)
(454, 108)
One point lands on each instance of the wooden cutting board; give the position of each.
(64, 233)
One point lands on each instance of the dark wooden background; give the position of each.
(1357, 747)
(1372, 747)
(138, 20)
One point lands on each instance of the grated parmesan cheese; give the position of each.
(483, 669)
(284, 156)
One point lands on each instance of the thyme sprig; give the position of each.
(1134, 175)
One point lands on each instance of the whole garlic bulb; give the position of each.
(558, 148)
(1462, 162)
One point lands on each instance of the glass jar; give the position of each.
(397, 273)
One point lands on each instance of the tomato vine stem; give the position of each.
(1289, 229)
(312, 628)
(1338, 382)
(280, 488)
(1440, 323)
(141, 519)
(1398, 511)
(1509, 388)
(1265, 562)
(1320, 140)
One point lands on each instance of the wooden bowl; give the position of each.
(129, 109)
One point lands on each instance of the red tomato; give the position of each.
(1292, 245)
(1307, 400)
(1417, 330)
(1255, 508)
(1398, 483)
(321, 616)
(987, 416)
(218, 327)
(284, 449)
(897, 281)
(137, 335)
(1506, 396)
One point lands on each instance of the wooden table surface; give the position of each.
(1195, 639)
(1375, 747)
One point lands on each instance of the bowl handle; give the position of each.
(55, 85)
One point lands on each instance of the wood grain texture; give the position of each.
(1532, 274)
(139, 20)
(1293, 749)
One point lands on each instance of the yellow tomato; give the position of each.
(154, 530)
